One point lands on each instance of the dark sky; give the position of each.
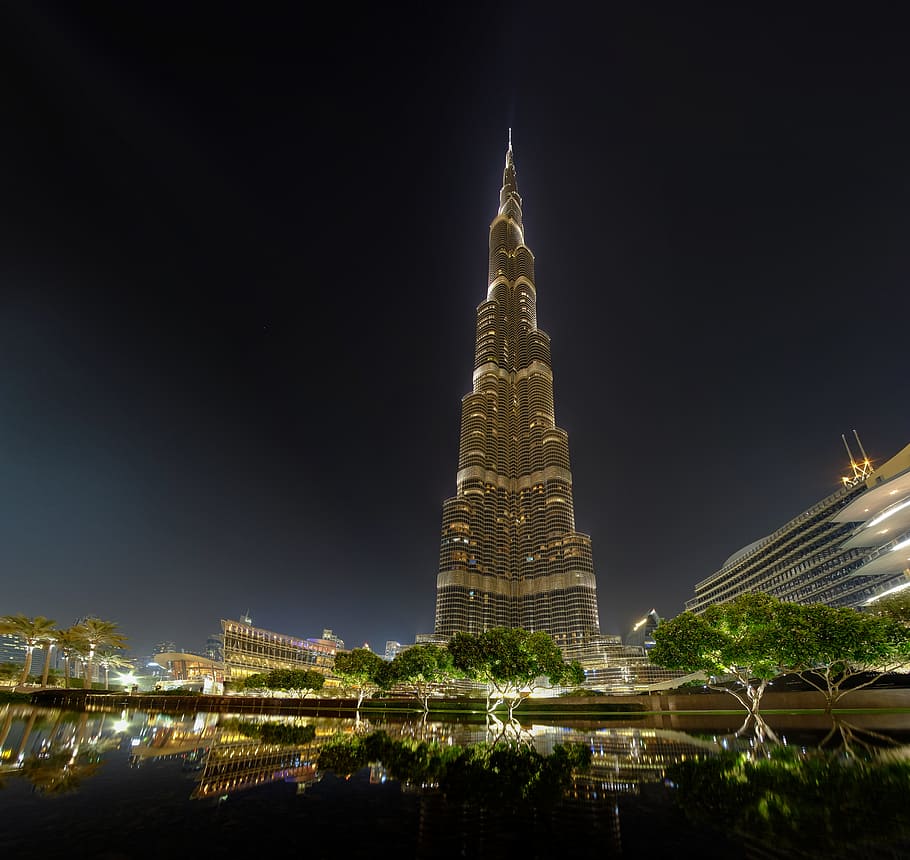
(241, 252)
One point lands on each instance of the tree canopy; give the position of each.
(739, 640)
(301, 681)
(361, 669)
(96, 633)
(829, 647)
(895, 606)
(420, 668)
(512, 663)
(745, 643)
(32, 631)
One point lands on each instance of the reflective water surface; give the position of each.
(134, 784)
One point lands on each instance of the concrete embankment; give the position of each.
(582, 707)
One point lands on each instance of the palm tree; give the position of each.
(71, 644)
(96, 634)
(32, 631)
(49, 641)
(107, 660)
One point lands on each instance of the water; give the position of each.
(135, 784)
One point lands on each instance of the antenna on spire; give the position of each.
(865, 458)
(510, 137)
(862, 469)
(849, 452)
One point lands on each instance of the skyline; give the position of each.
(240, 259)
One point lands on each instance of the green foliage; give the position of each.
(10, 671)
(343, 755)
(805, 804)
(496, 776)
(420, 667)
(274, 733)
(827, 646)
(94, 633)
(361, 669)
(12, 696)
(34, 632)
(894, 606)
(293, 680)
(574, 675)
(756, 638)
(359, 665)
(510, 661)
(742, 639)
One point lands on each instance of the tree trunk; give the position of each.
(28, 664)
(87, 672)
(47, 664)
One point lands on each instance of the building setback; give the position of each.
(849, 549)
(509, 553)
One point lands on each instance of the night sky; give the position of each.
(241, 253)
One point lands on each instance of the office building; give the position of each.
(848, 549)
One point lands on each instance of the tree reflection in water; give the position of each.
(497, 774)
(485, 787)
(62, 760)
(835, 800)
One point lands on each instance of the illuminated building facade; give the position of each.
(509, 553)
(184, 666)
(12, 649)
(249, 650)
(849, 549)
(642, 632)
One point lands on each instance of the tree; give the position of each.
(72, 646)
(97, 633)
(740, 639)
(895, 606)
(829, 647)
(300, 681)
(50, 640)
(511, 662)
(419, 667)
(108, 660)
(361, 670)
(32, 631)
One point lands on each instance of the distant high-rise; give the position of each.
(509, 553)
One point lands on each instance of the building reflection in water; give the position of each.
(628, 775)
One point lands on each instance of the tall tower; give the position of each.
(509, 553)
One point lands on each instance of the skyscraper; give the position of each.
(509, 553)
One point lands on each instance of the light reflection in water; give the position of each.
(635, 773)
